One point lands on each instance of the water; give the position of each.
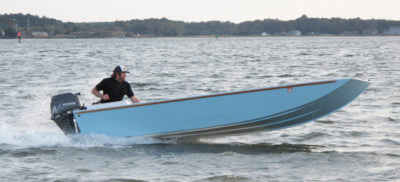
(358, 143)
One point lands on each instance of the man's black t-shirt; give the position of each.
(115, 90)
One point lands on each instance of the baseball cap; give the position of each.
(120, 69)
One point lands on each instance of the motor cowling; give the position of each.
(61, 107)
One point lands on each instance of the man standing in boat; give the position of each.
(115, 87)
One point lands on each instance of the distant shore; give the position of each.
(47, 28)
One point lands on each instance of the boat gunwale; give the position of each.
(205, 96)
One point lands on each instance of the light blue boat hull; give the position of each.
(223, 113)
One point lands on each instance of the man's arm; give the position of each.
(99, 95)
(134, 99)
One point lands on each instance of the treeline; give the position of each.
(29, 24)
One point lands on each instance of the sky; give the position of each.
(202, 10)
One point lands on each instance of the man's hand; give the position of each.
(135, 99)
(99, 95)
(105, 97)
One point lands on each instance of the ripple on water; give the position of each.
(83, 170)
(393, 120)
(312, 136)
(232, 178)
(396, 104)
(390, 142)
(325, 121)
(240, 148)
(123, 180)
(26, 152)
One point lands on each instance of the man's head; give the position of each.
(120, 69)
(119, 73)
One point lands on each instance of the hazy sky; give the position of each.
(202, 10)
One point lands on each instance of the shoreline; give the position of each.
(210, 37)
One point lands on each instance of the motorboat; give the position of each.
(217, 114)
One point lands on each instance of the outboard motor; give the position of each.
(61, 111)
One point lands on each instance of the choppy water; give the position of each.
(360, 142)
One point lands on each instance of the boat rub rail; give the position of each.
(206, 96)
